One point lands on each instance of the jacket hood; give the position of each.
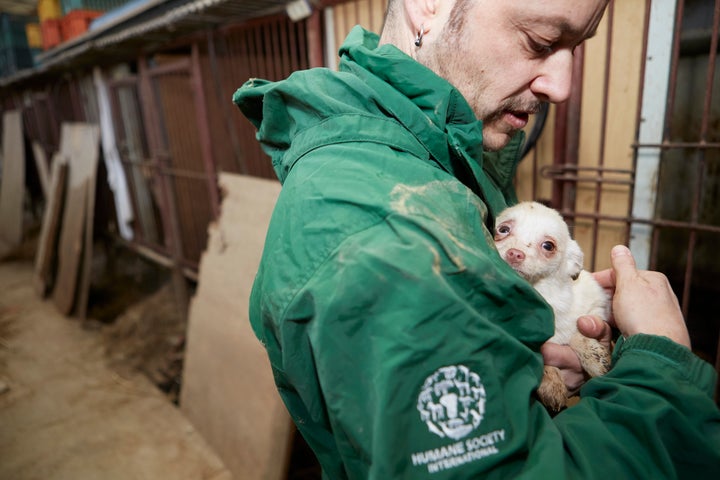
(375, 81)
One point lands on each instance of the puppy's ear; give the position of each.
(574, 259)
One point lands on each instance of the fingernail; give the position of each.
(620, 250)
(589, 321)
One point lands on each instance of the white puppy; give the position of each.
(535, 241)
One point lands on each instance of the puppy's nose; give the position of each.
(514, 256)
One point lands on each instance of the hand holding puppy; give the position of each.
(643, 301)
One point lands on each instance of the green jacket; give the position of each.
(401, 343)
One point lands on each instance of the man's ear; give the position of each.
(420, 14)
(574, 259)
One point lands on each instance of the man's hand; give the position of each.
(643, 301)
(564, 358)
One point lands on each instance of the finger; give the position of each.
(623, 263)
(593, 327)
(606, 278)
(560, 356)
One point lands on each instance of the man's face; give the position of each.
(508, 56)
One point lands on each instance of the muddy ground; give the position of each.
(134, 312)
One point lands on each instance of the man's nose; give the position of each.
(555, 78)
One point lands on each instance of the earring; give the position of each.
(419, 36)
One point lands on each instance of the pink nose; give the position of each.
(514, 256)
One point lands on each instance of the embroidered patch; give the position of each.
(452, 402)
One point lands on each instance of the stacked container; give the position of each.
(80, 13)
(14, 51)
(97, 5)
(49, 13)
(76, 22)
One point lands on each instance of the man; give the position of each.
(401, 343)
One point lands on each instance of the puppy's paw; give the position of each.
(552, 391)
(595, 358)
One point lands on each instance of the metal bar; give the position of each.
(156, 257)
(680, 145)
(559, 172)
(560, 148)
(314, 40)
(603, 130)
(203, 130)
(675, 60)
(222, 101)
(653, 113)
(178, 66)
(699, 227)
(167, 206)
(639, 112)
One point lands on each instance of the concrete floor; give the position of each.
(64, 414)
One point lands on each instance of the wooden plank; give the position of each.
(42, 168)
(12, 186)
(70, 249)
(80, 144)
(45, 256)
(228, 391)
(83, 293)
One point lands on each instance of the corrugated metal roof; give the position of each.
(19, 7)
(145, 24)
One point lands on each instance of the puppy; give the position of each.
(535, 241)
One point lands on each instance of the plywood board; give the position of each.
(12, 186)
(228, 389)
(45, 256)
(70, 249)
(42, 168)
(80, 144)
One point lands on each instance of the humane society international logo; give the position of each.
(452, 402)
(452, 405)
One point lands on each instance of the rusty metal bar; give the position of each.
(712, 56)
(679, 145)
(672, 85)
(203, 131)
(567, 133)
(603, 130)
(559, 172)
(221, 98)
(163, 169)
(178, 66)
(314, 40)
(638, 115)
(168, 206)
(698, 227)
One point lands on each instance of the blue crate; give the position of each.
(98, 5)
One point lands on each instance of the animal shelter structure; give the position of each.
(633, 157)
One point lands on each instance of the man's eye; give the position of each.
(503, 229)
(548, 246)
(541, 48)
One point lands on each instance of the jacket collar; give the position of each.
(441, 118)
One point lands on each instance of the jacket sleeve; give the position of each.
(653, 414)
(427, 359)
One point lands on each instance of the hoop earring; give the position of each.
(419, 36)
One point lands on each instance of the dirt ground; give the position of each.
(97, 399)
(76, 399)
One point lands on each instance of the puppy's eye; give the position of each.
(548, 246)
(501, 232)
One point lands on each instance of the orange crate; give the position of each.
(50, 30)
(77, 22)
